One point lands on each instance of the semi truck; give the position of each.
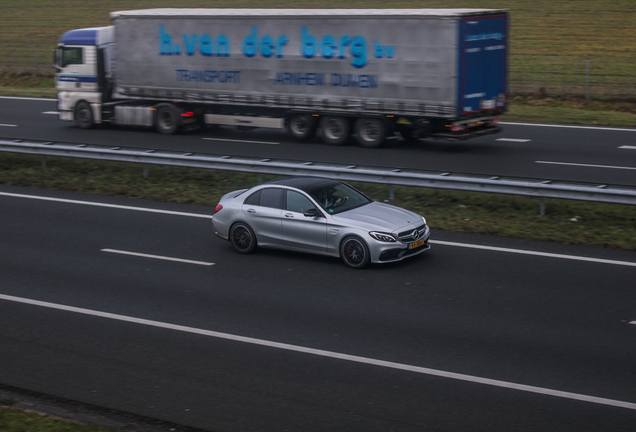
(362, 73)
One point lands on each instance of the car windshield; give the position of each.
(339, 197)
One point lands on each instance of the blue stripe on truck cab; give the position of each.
(77, 78)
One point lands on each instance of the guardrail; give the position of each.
(539, 188)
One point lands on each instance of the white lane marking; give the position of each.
(633, 322)
(543, 254)
(569, 126)
(628, 147)
(242, 141)
(28, 98)
(585, 165)
(157, 257)
(328, 354)
(8, 125)
(50, 112)
(106, 205)
(513, 140)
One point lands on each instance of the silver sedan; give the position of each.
(322, 216)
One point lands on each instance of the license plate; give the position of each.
(417, 244)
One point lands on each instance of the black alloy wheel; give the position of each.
(242, 238)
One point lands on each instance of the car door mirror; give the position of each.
(313, 212)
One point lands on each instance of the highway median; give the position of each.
(567, 222)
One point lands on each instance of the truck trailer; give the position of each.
(369, 73)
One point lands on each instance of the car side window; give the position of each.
(253, 199)
(271, 197)
(298, 202)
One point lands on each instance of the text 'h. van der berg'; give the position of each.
(354, 49)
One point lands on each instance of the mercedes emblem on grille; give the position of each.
(415, 234)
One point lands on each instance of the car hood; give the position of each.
(379, 216)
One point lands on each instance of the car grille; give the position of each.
(412, 234)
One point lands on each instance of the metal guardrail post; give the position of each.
(542, 210)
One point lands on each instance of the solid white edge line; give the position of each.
(8, 125)
(105, 205)
(633, 322)
(585, 165)
(328, 354)
(157, 257)
(28, 98)
(568, 126)
(628, 147)
(242, 141)
(50, 112)
(527, 252)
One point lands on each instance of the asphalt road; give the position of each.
(582, 154)
(527, 337)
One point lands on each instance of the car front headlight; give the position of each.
(383, 237)
(424, 219)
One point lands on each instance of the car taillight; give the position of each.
(218, 208)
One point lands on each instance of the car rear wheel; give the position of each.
(242, 238)
(354, 252)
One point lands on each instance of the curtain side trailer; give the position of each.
(369, 73)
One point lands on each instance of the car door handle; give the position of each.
(289, 215)
(251, 211)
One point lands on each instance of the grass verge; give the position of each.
(568, 222)
(13, 420)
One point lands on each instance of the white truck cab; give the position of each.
(83, 60)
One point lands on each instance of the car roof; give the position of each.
(307, 184)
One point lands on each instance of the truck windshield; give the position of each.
(71, 56)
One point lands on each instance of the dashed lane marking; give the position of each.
(513, 140)
(585, 165)
(159, 257)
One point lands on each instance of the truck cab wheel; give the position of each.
(302, 127)
(83, 115)
(370, 132)
(335, 130)
(167, 119)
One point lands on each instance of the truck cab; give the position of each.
(83, 59)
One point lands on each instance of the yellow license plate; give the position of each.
(417, 244)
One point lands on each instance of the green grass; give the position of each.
(569, 222)
(12, 420)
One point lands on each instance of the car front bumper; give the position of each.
(390, 252)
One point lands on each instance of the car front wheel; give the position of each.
(354, 252)
(242, 238)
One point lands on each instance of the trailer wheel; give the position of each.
(302, 127)
(83, 115)
(167, 120)
(335, 130)
(370, 132)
